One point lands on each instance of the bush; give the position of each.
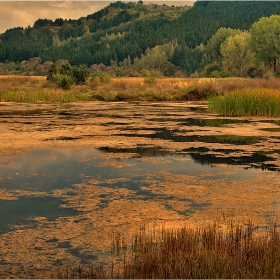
(63, 81)
(103, 77)
(150, 80)
(80, 74)
(66, 75)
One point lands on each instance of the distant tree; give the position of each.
(265, 39)
(80, 73)
(237, 56)
(213, 47)
(52, 72)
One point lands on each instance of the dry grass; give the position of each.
(126, 89)
(187, 253)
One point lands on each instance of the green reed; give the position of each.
(41, 95)
(247, 102)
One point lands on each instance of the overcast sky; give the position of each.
(24, 13)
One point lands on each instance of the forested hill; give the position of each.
(123, 32)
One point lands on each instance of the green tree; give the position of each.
(236, 54)
(52, 71)
(265, 39)
(213, 47)
(80, 73)
(65, 75)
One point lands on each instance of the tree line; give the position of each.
(176, 41)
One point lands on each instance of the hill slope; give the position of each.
(128, 29)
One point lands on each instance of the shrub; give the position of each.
(80, 74)
(103, 77)
(63, 81)
(66, 75)
(150, 80)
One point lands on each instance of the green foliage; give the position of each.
(102, 76)
(236, 54)
(247, 102)
(80, 74)
(63, 80)
(52, 71)
(265, 39)
(138, 36)
(150, 80)
(213, 48)
(65, 75)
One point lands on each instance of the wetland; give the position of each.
(74, 174)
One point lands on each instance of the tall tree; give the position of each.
(213, 47)
(236, 54)
(265, 39)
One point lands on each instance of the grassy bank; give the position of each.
(230, 96)
(247, 102)
(38, 89)
(237, 252)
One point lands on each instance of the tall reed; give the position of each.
(41, 95)
(247, 102)
(193, 253)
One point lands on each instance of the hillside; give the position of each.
(123, 32)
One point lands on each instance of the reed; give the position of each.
(43, 95)
(238, 251)
(247, 102)
(204, 253)
(38, 89)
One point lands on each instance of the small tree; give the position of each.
(52, 71)
(80, 74)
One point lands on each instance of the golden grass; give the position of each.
(126, 88)
(209, 252)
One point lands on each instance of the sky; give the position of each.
(24, 13)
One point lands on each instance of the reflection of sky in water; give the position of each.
(52, 168)
(46, 169)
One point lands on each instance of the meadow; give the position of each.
(227, 96)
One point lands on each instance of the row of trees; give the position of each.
(129, 29)
(229, 52)
(241, 53)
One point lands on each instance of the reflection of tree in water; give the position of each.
(256, 160)
(142, 151)
(166, 134)
(212, 122)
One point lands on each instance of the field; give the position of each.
(230, 97)
(79, 180)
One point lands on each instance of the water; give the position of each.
(41, 171)
(151, 163)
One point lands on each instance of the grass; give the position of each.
(247, 102)
(204, 252)
(228, 96)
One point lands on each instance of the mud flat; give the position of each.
(72, 175)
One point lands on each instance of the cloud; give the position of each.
(24, 13)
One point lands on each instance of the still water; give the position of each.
(42, 170)
(72, 175)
